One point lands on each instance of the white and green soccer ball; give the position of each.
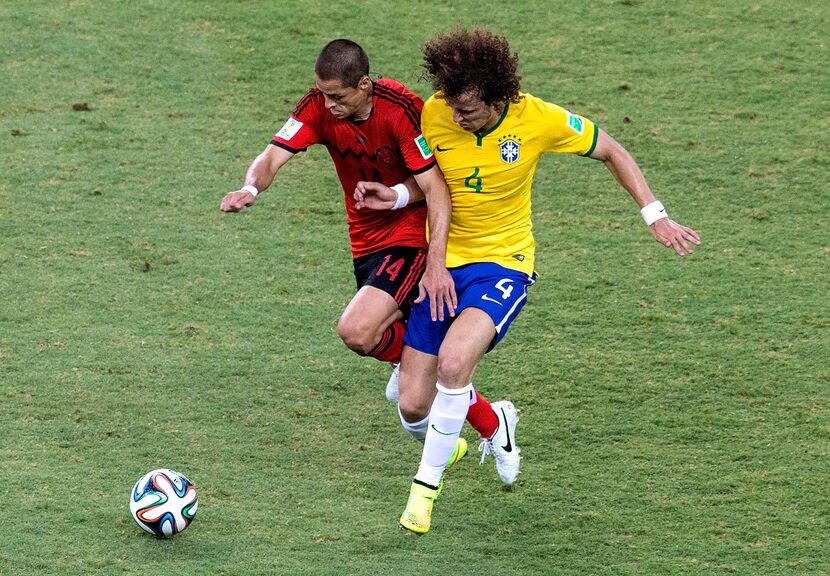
(163, 502)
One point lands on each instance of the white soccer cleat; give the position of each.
(393, 392)
(503, 443)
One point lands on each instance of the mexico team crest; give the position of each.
(509, 148)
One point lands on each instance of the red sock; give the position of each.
(391, 344)
(481, 416)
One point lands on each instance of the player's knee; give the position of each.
(453, 370)
(358, 338)
(412, 408)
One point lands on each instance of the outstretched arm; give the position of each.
(259, 177)
(620, 163)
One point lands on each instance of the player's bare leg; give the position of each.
(415, 402)
(419, 372)
(466, 342)
(371, 325)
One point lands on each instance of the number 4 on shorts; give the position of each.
(505, 290)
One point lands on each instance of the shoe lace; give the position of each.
(485, 447)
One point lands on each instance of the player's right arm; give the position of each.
(260, 174)
(437, 283)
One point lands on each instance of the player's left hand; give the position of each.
(374, 195)
(438, 285)
(673, 235)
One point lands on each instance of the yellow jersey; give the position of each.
(490, 173)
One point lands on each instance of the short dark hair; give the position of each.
(342, 60)
(473, 60)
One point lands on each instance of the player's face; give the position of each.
(472, 114)
(347, 101)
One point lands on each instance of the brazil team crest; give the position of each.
(509, 148)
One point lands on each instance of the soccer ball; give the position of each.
(163, 502)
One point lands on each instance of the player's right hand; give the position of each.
(437, 285)
(236, 201)
(374, 195)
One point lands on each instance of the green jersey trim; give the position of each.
(480, 135)
(594, 143)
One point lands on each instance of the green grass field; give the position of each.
(675, 415)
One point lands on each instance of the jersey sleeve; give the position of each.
(428, 115)
(567, 133)
(300, 130)
(414, 148)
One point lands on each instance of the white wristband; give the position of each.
(252, 189)
(653, 212)
(403, 196)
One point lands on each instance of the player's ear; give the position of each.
(364, 83)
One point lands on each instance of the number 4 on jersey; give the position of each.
(473, 181)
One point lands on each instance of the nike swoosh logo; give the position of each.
(509, 446)
(442, 433)
(486, 297)
(443, 149)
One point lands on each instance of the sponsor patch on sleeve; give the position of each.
(422, 145)
(575, 123)
(290, 129)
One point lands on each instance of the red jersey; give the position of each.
(387, 147)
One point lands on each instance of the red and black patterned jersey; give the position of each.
(387, 147)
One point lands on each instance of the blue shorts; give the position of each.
(498, 291)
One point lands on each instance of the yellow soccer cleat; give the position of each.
(457, 454)
(418, 513)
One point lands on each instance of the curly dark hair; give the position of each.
(478, 60)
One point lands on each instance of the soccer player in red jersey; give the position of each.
(372, 132)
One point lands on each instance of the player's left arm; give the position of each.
(626, 171)
(378, 196)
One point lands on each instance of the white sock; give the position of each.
(417, 430)
(446, 418)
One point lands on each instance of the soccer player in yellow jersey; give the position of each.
(488, 138)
